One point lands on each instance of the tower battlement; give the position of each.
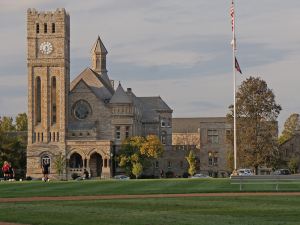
(43, 14)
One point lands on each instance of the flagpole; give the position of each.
(234, 89)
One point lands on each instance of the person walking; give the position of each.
(11, 173)
(5, 170)
(45, 168)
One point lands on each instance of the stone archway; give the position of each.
(96, 164)
(75, 161)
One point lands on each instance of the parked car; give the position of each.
(200, 175)
(244, 172)
(282, 172)
(121, 177)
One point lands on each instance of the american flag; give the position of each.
(237, 66)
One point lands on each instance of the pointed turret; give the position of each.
(99, 53)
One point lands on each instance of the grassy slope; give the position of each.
(175, 211)
(39, 188)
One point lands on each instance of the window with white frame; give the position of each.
(212, 136)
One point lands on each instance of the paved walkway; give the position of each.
(99, 197)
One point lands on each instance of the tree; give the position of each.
(293, 164)
(139, 150)
(290, 126)
(21, 122)
(59, 164)
(192, 163)
(7, 124)
(152, 147)
(137, 169)
(256, 113)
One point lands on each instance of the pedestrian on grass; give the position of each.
(11, 173)
(86, 174)
(5, 170)
(45, 168)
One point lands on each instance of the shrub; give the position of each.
(170, 174)
(74, 176)
(185, 175)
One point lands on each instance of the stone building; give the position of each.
(83, 121)
(207, 138)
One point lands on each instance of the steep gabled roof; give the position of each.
(120, 96)
(155, 103)
(99, 87)
(104, 79)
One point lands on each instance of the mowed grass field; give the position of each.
(156, 186)
(245, 210)
(267, 210)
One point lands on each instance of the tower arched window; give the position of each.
(37, 28)
(53, 100)
(45, 28)
(38, 109)
(53, 27)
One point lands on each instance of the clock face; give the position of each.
(46, 47)
(81, 109)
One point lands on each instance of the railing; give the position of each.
(274, 180)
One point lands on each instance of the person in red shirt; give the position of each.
(5, 170)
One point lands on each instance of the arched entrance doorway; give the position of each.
(96, 164)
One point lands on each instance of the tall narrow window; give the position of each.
(118, 133)
(210, 159)
(215, 158)
(38, 101)
(53, 27)
(53, 99)
(57, 138)
(163, 137)
(127, 132)
(37, 28)
(42, 137)
(45, 28)
(50, 136)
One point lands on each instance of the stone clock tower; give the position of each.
(48, 62)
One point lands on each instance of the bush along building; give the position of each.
(80, 124)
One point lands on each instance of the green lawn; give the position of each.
(174, 211)
(104, 187)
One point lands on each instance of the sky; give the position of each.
(177, 49)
